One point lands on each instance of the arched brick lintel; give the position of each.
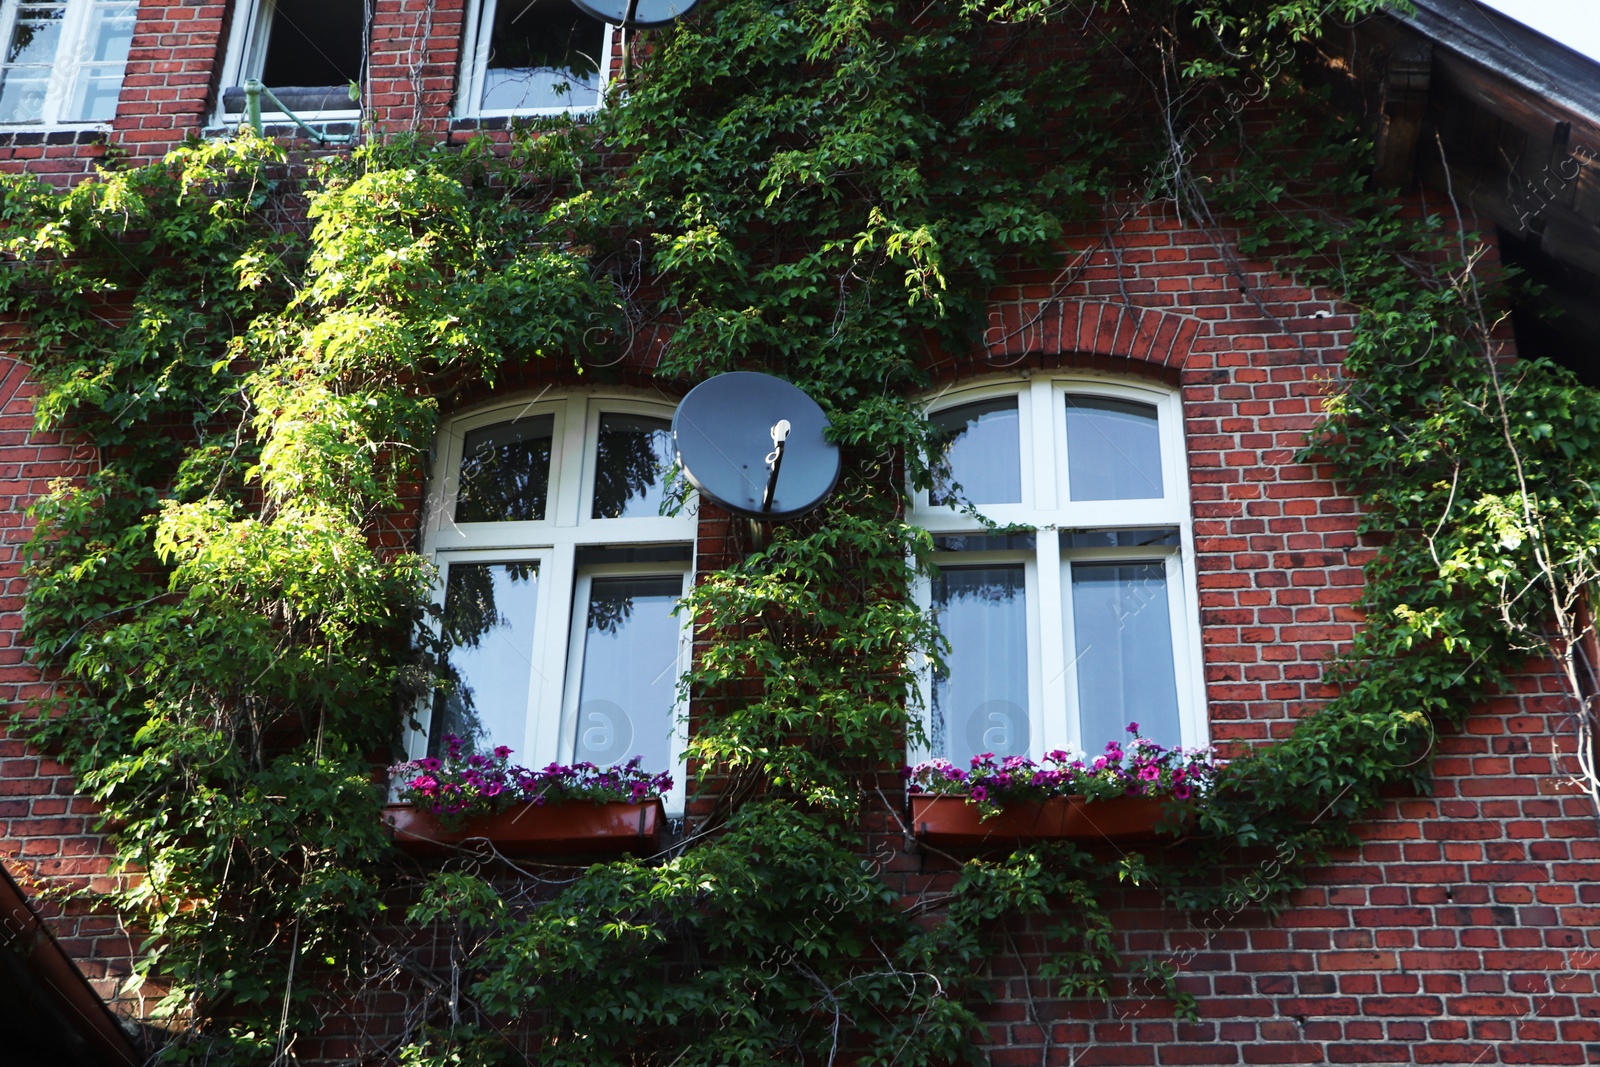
(1050, 327)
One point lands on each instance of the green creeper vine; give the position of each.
(822, 189)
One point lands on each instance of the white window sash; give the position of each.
(61, 96)
(246, 56)
(549, 611)
(554, 543)
(1047, 509)
(569, 725)
(1177, 613)
(1038, 651)
(475, 48)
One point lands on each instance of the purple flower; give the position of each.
(1133, 728)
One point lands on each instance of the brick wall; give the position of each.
(171, 81)
(1464, 930)
(48, 838)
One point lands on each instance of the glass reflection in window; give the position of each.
(1122, 629)
(542, 54)
(505, 472)
(35, 36)
(632, 458)
(979, 459)
(980, 699)
(488, 630)
(630, 672)
(1113, 449)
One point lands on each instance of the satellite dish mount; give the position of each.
(636, 14)
(756, 445)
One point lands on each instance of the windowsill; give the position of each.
(508, 121)
(344, 124)
(278, 118)
(60, 134)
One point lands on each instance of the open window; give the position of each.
(308, 52)
(531, 57)
(560, 577)
(1081, 617)
(64, 62)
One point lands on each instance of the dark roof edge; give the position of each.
(1544, 66)
(50, 965)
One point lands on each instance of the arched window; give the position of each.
(1080, 618)
(559, 576)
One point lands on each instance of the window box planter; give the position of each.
(950, 820)
(536, 829)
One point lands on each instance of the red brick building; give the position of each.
(1466, 928)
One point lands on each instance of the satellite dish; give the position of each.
(636, 14)
(754, 444)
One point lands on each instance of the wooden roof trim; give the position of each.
(1543, 67)
(22, 931)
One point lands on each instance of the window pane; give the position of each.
(25, 79)
(103, 59)
(980, 700)
(37, 33)
(488, 628)
(979, 451)
(1123, 633)
(22, 95)
(505, 472)
(631, 463)
(630, 672)
(1113, 449)
(542, 54)
(314, 43)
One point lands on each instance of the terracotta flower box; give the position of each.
(950, 820)
(536, 829)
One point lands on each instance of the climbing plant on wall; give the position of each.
(823, 189)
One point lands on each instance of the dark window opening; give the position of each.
(1554, 312)
(314, 43)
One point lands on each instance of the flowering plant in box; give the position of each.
(460, 785)
(1143, 769)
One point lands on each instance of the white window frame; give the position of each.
(475, 61)
(554, 543)
(247, 52)
(68, 60)
(1045, 508)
